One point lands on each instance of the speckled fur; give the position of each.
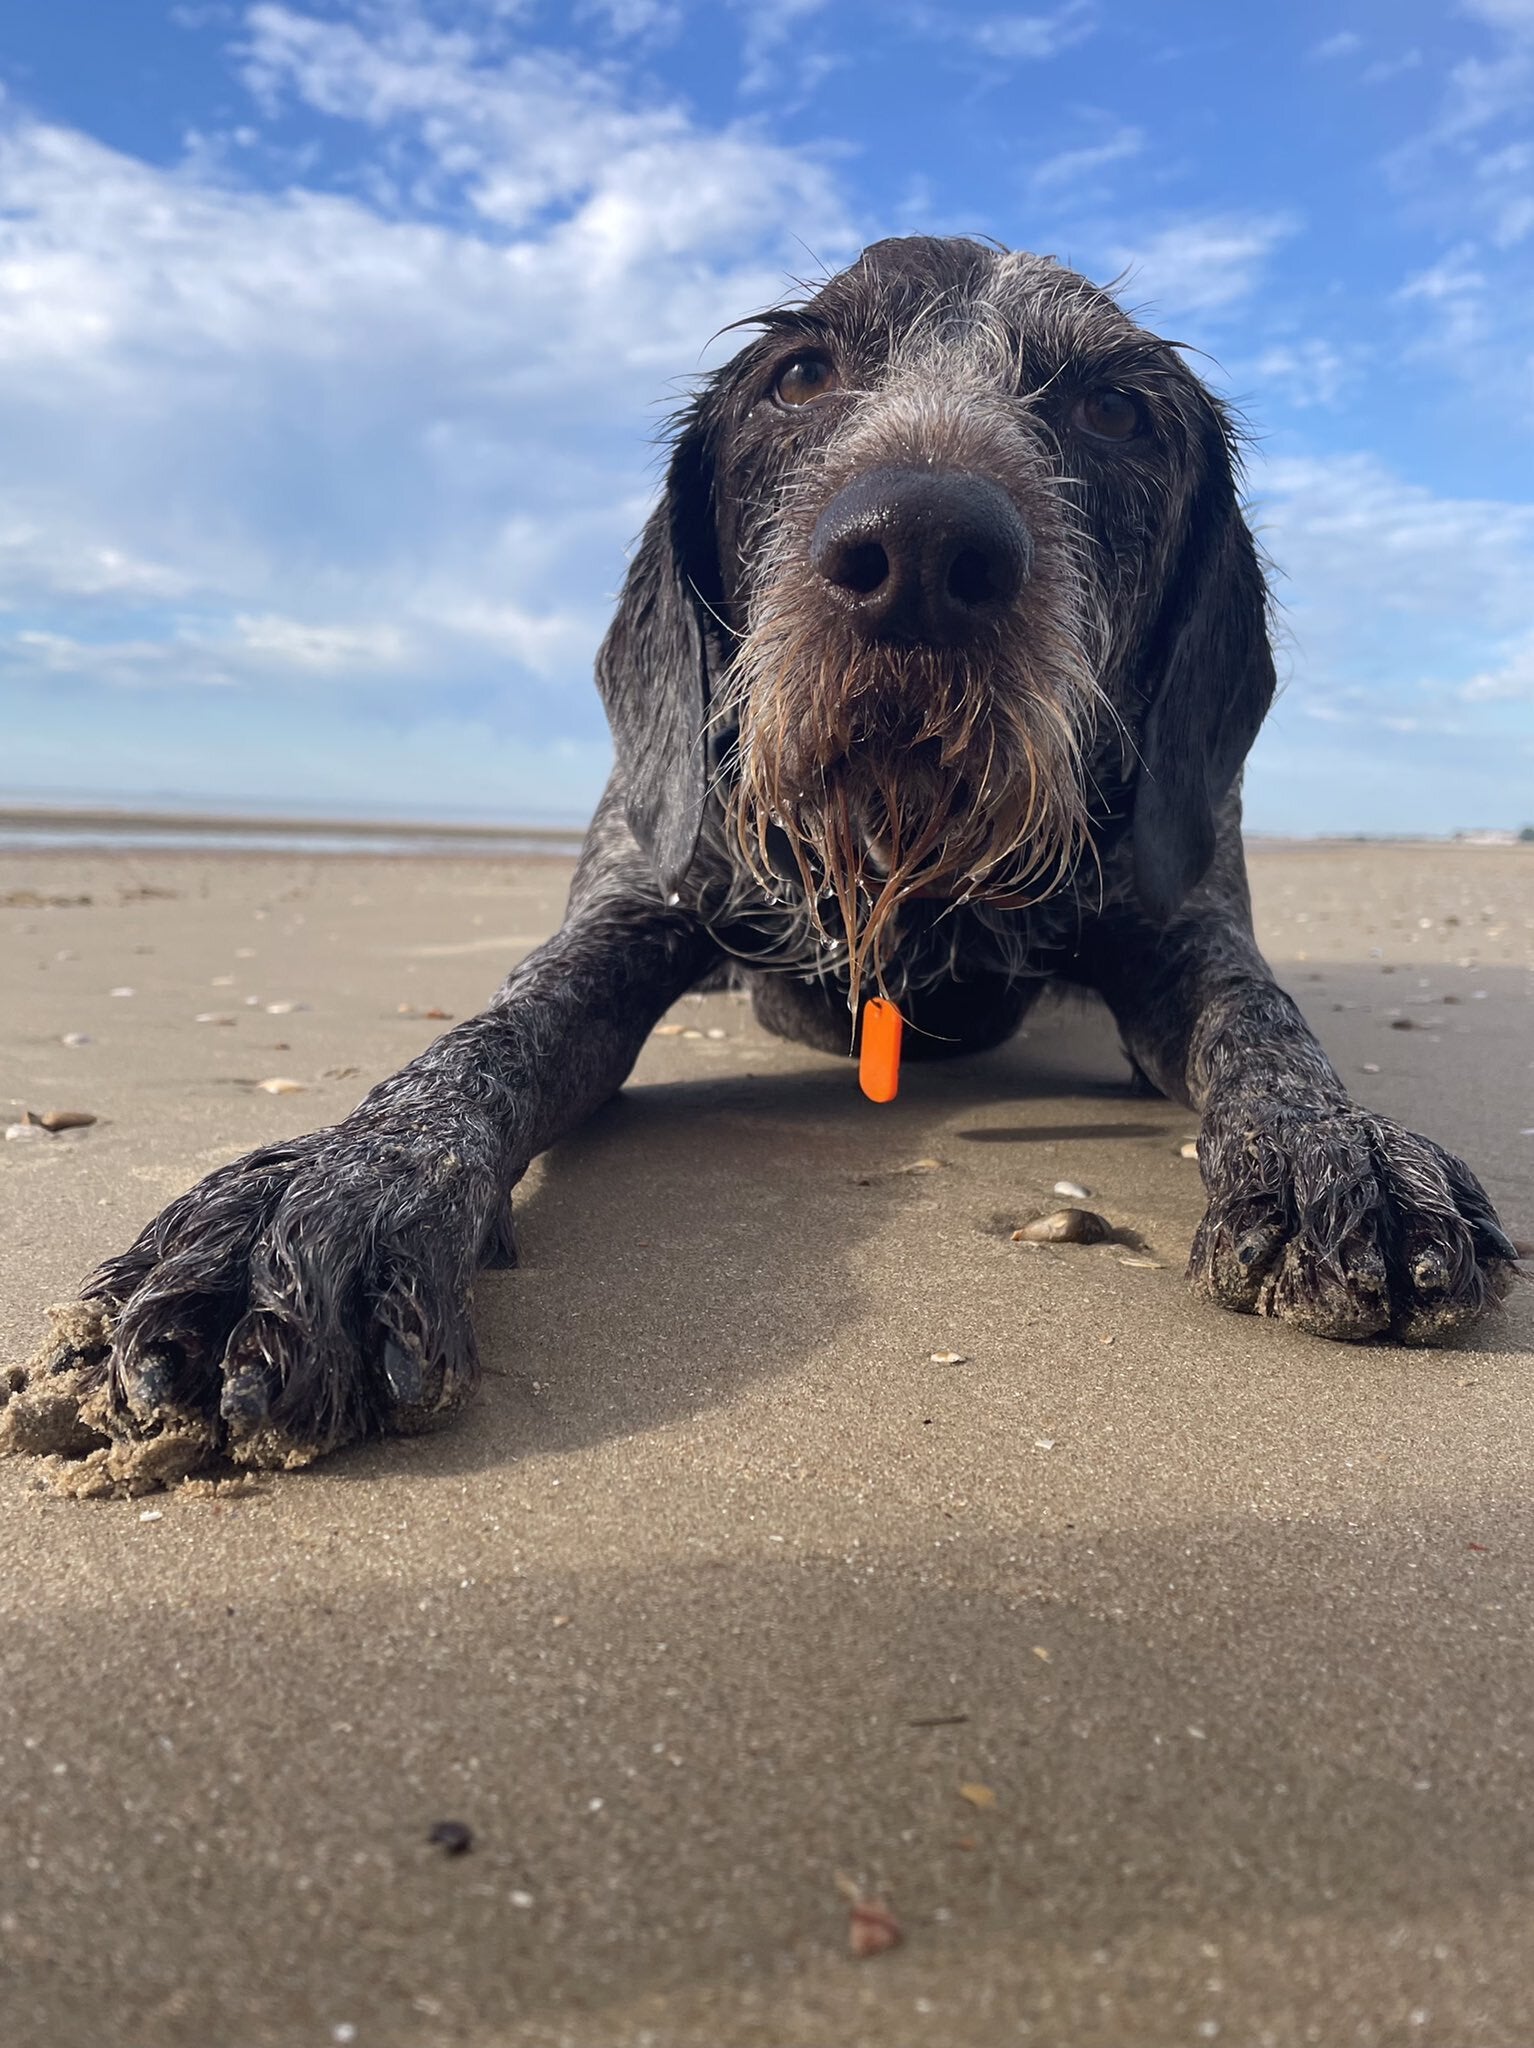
(318, 1291)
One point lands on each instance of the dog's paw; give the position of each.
(310, 1294)
(1344, 1224)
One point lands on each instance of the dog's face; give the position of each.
(954, 555)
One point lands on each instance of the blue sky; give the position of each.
(334, 336)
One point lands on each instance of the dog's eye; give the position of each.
(804, 378)
(1109, 415)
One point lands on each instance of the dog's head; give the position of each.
(943, 551)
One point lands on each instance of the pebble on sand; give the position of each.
(1188, 1149)
(1065, 1226)
(279, 1084)
(948, 1358)
(66, 1119)
(76, 1038)
(871, 1926)
(1071, 1189)
(452, 1837)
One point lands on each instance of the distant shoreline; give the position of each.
(103, 828)
(111, 818)
(107, 829)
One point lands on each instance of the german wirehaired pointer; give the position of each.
(933, 675)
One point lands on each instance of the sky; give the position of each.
(336, 337)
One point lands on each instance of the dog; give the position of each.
(933, 673)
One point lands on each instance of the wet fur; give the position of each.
(1059, 804)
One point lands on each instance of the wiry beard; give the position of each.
(896, 771)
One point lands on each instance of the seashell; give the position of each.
(1065, 1226)
(66, 1119)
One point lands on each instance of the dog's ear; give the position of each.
(1209, 679)
(653, 666)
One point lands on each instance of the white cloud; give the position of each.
(1071, 168)
(1006, 36)
(1383, 69)
(1309, 372)
(383, 444)
(1343, 44)
(1454, 292)
(780, 46)
(1396, 601)
(515, 135)
(1404, 642)
(1516, 16)
(1506, 180)
(46, 552)
(1203, 263)
(651, 20)
(1469, 173)
(1034, 36)
(292, 643)
(1511, 680)
(1353, 532)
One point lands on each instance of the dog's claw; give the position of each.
(402, 1370)
(245, 1403)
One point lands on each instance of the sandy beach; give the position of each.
(1167, 1674)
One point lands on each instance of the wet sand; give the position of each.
(723, 1589)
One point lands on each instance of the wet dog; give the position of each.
(934, 672)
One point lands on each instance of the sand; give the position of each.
(723, 1590)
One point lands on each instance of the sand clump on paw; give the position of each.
(57, 1412)
(44, 1414)
(123, 1471)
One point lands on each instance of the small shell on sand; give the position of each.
(1065, 1226)
(66, 1119)
(1188, 1149)
(1071, 1189)
(279, 1084)
(75, 1038)
(21, 1134)
(872, 1928)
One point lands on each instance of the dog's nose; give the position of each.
(922, 555)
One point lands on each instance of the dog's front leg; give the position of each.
(1320, 1212)
(317, 1290)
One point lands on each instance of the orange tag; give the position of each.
(879, 1053)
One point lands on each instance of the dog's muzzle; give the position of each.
(926, 557)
